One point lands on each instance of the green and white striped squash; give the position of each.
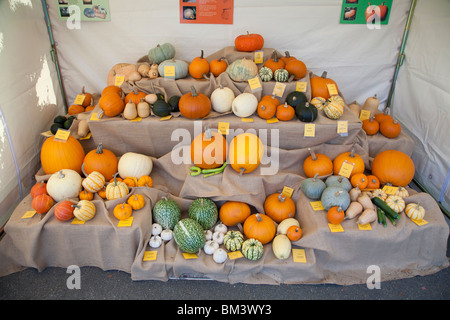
(189, 235)
(319, 102)
(333, 110)
(160, 53)
(266, 74)
(252, 249)
(337, 99)
(167, 213)
(242, 70)
(204, 211)
(281, 75)
(233, 240)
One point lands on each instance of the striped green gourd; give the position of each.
(281, 75)
(252, 249)
(233, 240)
(167, 213)
(265, 74)
(204, 211)
(333, 110)
(189, 235)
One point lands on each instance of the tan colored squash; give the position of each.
(120, 69)
(281, 246)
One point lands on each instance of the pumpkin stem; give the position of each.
(61, 174)
(208, 133)
(337, 194)
(352, 152)
(281, 197)
(285, 105)
(99, 148)
(324, 74)
(287, 55)
(193, 91)
(241, 171)
(201, 54)
(82, 170)
(315, 176)
(275, 56)
(313, 154)
(115, 179)
(258, 217)
(82, 90)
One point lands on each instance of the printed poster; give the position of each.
(206, 11)
(84, 10)
(370, 12)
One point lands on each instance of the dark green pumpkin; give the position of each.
(55, 126)
(173, 102)
(294, 98)
(161, 108)
(60, 119)
(306, 112)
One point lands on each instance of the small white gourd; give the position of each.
(151, 98)
(156, 229)
(155, 241)
(210, 246)
(220, 227)
(218, 237)
(222, 99)
(220, 255)
(208, 234)
(167, 235)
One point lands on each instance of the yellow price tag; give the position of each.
(188, 256)
(47, 134)
(166, 118)
(310, 130)
(137, 119)
(126, 222)
(235, 255)
(420, 222)
(259, 57)
(150, 255)
(317, 205)
(223, 127)
(342, 126)
(278, 90)
(118, 80)
(95, 116)
(346, 169)
(77, 221)
(335, 227)
(287, 191)
(273, 120)
(301, 86)
(79, 99)
(364, 227)
(390, 189)
(299, 255)
(247, 119)
(365, 114)
(332, 90)
(255, 84)
(29, 214)
(169, 72)
(62, 135)
(87, 137)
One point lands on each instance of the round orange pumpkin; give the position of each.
(38, 188)
(217, 66)
(294, 233)
(111, 104)
(349, 157)
(317, 163)
(194, 105)
(57, 155)
(42, 203)
(135, 96)
(245, 152)
(88, 98)
(199, 67)
(75, 109)
(360, 180)
(297, 68)
(285, 112)
(393, 167)
(112, 89)
(274, 63)
(64, 210)
(233, 212)
(122, 211)
(86, 195)
(371, 126)
(249, 42)
(335, 215)
(319, 86)
(260, 227)
(101, 160)
(278, 206)
(390, 128)
(266, 110)
(287, 57)
(209, 149)
(373, 182)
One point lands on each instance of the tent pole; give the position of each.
(54, 53)
(401, 55)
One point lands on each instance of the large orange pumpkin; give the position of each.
(352, 158)
(245, 152)
(317, 163)
(393, 167)
(233, 212)
(319, 86)
(111, 104)
(209, 149)
(199, 67)
(194, 105)
(260, 227)
(112, 89)
(57, 155)
(101, 160)
(297, 68)
(249, 42)
(278, 206)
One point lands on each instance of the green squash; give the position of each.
(60, 119)
(281, 75)
(181, 68)
(189, 235)
(160, 53)
(204, 211)
(294, 98)
(167, 213)
(233, 240)
(313, 188)
(252, 249)
(306, 112)
(266, 74)
(242, 70)
(339, 181)
(161, 108)
(335, 197)
(173, 102)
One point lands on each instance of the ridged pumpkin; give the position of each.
(135, 96)
(266, 74)
(112, 104)
(94, 181)
(233, 212)
(317, 163)
(42, 203)
(415, 211)
(209, 149)
(194, 105)
(278, 206)
(38, 188)
(351, 157)
(116, 189)
(84, 210)
(57, 155)
(394, 167)
(63, 210)
(333, 110)
(260, 227)
(101, 160)
(245, 152)
(249, 42)
(161, 52)
(319, 86)
(181, 68)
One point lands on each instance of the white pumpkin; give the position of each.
(222, 99)
(220, 255)
(218, 237)
(155, 241)
(210, 246)
(65, 183)
(134, 165)
(166, 235)
(244, 105)
(156, 229)
(220, 227)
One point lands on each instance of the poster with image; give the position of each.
(206, 11)
(85, 10)
(366, 11)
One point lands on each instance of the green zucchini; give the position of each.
(386, 209)
(381, 217)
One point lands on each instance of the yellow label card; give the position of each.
(364, 227)
(342, 126)
(310, 130)
(166, 118)
(317, 205)
(62, 135)
(335, 227)
(95, 116)
(259, 57)
(223, 127)
(278, 90)
(29, 214)
(137, 119)
(150, 255)
(87, 137)
(169, 72)
(299, 255)
(365, 114)
(301, 86)
(118, 80)
(235, 255)
(47, 134)
(287, 191)
(79, 99)
(346, 169)
(255, 84)
(332, 90)
(247, 119)
(390, 189)
(126, 222)
(77, 221)
(273, 120)
(420, 222)
(188, 256)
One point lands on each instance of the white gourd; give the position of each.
(155, 241)
(130, 111)
(220, 255)
(156, 229)
(208, 234)
(220, 227)
(210, 246)
(218, 237)
(143, 109)
(222, 99)
(166, 235)
(285, 224)
(65, 183)
(134, 165)
(281, 246)
(244, 105)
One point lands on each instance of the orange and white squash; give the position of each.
(319, 102)
(415, 211)
(396, 203)
(334, 109)
(94, 181)
(84, 210)
(116, 189)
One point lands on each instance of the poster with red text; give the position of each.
(206, 11)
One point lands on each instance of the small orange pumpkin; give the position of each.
(260, 227)
(85, 195)
(285, 112)
(266, 110)
(335, 215)
(136, 201)
(75, 109)
(145, 181)
(122, 211)
(232, 213)
(38, 188)
(194, 105)
(287, 57)
(390, 128)
(380, 117)
(319, 86)
(360, 180)
(294, 233)
(217, 66)
(209, 149)
(131, 182)
(111, 104)
(199, 67)
(135, 96)
(371, 126)
(274, 63)
(317, 163)
(278, 206)
(42, 203)
(372, 182)
(102, 193)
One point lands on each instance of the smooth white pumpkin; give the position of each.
(166, 235)
(244, 105)
(134, 165)
(210, 246)
(220, 255)
(156, 229)
(220, 227)
(218, 237)
(222, 99)
(281, 246)
(64, 184)
(155, 241)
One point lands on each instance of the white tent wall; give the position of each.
(422, 93)
(30, 97)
